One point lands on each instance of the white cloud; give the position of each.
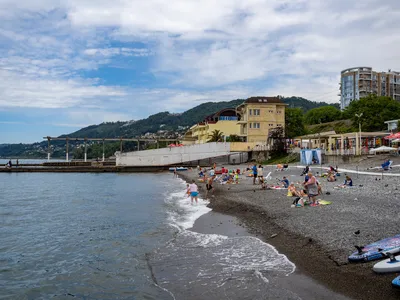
(202, 49)
(118, 51)
(18, 90)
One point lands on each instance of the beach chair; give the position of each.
(387, 167)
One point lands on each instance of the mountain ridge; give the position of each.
(162, 124)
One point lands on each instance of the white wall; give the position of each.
(170, 156)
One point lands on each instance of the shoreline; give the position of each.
(297, 282)
(320, 260)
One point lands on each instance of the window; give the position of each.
(270, 111)
(278, 112)
(250, 112)
(250, 125)
(256, 112)
(270, 125)
(256, 125)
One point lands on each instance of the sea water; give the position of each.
(123, 236)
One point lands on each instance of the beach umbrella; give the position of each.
(171, 145)
(180, 145)
(392, 136)
(383, 149)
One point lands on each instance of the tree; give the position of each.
(233, 138)
(322, 115)
(215, 136)
(277, 140)
(375, 111)
(294, 123)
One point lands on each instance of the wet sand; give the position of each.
(298, 283)
(318, 240)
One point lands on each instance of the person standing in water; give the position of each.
(194, 191)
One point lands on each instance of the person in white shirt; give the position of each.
(260, 174)
(194, 191)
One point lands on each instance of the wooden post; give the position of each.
(48, 148)
(158, 146)
(103, 151)
(66, 154)
(85, 155)
(138, 145)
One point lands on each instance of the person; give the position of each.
(292, 190)
(332, 169)
(348, 181)
(331, 176)
(305, 170)
(215, 166)
(260, 174)
(209, 183)
(201, 174)
(236, 177)
(212, 172)
(175, 173)
(194, 191)
(285, 182)
(10, 163)
(254, 168)
(312, 188)
(279, 167)
(17, 163)
(187, 190)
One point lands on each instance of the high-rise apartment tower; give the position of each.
(356, 83)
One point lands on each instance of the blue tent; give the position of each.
(308, 155)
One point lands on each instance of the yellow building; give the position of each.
(258, 115)
(225, 121)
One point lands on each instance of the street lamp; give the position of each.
(359, 128)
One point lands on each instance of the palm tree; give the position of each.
(215, 136)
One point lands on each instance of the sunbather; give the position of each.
(348, 181)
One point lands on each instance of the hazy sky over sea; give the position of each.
(65, 64)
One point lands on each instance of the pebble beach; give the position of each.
(320, 239)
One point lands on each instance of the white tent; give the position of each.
(395, 141)
(382, 149)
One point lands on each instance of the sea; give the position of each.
(125, 236)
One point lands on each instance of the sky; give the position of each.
(66, 64)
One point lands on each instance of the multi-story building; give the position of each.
(225, 121)
(259, 116)
(359, 82)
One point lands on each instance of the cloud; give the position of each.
(198, 50)
(118, 51)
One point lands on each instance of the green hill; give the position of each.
(165, 121)
(170, 121)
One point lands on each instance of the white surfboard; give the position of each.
(390, 265)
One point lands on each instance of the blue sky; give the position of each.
(71, 63)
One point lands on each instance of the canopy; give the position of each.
(382, 149)
(171, 145)
(392, 136)
(308, 155)
(396, 141)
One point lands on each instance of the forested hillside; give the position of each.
(173, 123)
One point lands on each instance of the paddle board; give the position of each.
(377, 250)
(390, 265)
(178, 169)
(396, 282)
